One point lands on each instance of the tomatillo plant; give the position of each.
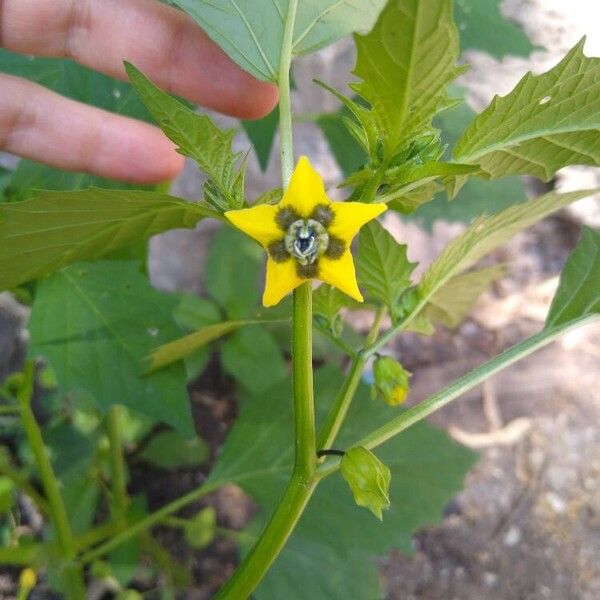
(120, 353)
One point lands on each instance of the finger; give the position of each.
(163, 42)
(38, 124)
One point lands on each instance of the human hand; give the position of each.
(165, 43)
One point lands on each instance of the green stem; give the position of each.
(9, 410)
(147, 522)
(120, 498)
(301, 486)
(74, 587)
(25, 487)
(339, 409)
(302, 483)
(271, 541)
(285, 100)
(459, 387)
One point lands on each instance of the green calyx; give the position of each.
(368, 479)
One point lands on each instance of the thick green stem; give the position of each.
(301, 485)
(304, 406)
(459, 387)
(339, 409)
(120, 498)
(72, 573)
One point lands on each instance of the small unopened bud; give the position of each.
(391, 380)
(368, 478)
(27, 581)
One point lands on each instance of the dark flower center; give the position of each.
(306, 240)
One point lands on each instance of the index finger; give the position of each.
(161, 41)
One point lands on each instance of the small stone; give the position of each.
(512, 537)
(490, 579)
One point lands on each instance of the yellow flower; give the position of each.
(306, 236)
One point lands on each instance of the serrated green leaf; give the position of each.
(253, 358)
(427, 469)
(262, 135)
(406, 64)
(486, 234)
(197, 137)
(547, 122)
(252, 32)
(454, 301)
(95, 322)
(482, 27)
(578, 292)
(53, 229)
(382, 266)
(169, 450)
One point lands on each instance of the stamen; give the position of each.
(306, 240)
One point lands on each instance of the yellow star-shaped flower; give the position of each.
(306, 235)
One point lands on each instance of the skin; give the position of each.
(163, 42)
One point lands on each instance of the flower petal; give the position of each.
(282, 278)
(351, 216)
(306, 189)
(340, 273)
(258, 222)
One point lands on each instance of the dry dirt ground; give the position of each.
(527, 524)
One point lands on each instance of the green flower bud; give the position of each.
(200, 531)
(391, 380)
(368, 478)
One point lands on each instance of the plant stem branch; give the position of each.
(147, 522)
(72, 573)
(339, 409)
(459, 387)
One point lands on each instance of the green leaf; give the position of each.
(170, 450)
(333, 548)
(406, 64)
(482, 27)
(486, 234)
(53, 229)
(95, 322)
(383, 268)
(199, 138)
(233, 272)
(348, 153)
(252, 32)
(477, 196)
(578, 292)
(547, 122)
(262, 134)
(252, 357)
(454, 301)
